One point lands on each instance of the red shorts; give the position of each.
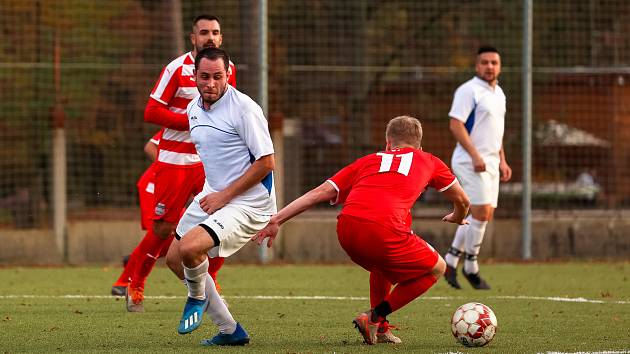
(398, 256)
(173, 188)
(146, 186)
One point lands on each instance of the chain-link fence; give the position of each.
(338, 71)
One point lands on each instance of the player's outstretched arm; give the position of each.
(456, 194)
(317, 195)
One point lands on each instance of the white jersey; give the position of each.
(482, 110)
(229, 137)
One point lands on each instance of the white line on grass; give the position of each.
(317, 297)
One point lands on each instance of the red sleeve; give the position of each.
(442, 177)
(158, 113)
(166, 86)
(157, 137)
(232, 75)
(343, 182)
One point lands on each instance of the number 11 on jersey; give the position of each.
(388, 159)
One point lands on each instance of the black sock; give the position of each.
(381, 311)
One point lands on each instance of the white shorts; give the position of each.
(482, 188)
(233, 225)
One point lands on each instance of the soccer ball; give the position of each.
(474, 324)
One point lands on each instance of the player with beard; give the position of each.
(178, 173)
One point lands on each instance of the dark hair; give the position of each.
(487, 49)
(213, 53)
(205, 17)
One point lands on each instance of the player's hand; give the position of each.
(506, 171)
(269, 232)
(451, 218)
(479, 164)
(212, 202)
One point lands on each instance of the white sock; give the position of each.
(458, 245)
(217, 310)
(196, 280)
(474, 238)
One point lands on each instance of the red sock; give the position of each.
(408, 290)
(214, 264)
(166, 246)
(130, 268)
(379, 289)
(150, 251)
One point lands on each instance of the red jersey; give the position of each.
(382, 187)
(175, 88)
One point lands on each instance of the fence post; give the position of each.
(527, 129)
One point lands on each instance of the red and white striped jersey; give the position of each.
(175, 88)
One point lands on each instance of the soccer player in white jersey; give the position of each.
(477, 120)
(178, 170)
(232, 139)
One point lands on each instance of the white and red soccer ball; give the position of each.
(474, 324)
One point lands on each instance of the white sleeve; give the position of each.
(463, 103)
(253, 128)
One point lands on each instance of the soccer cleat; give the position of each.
(451, 277)
(385, 335)
(366, 327)
(119, 290)
(476, 281)
(239, 337)
(134, 299)
(193, 314)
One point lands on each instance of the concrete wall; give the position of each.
(312, 238)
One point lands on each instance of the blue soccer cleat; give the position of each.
(239, 337)
(193, 314)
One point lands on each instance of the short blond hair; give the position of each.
(404, 130)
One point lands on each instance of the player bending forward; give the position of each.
(377, 192)
(232, 139)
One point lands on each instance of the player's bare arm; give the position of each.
(506, 170)
(324, 192)
(461, 135)
(158, 113)
(256, 172)
(151, 149)
(456, 194)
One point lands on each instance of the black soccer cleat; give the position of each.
(118, 290)
(451, 277)
(476, 281)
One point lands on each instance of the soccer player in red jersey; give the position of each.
(374, 225)
(178, 172)
(146, 188)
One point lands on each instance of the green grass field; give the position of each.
(309, 309)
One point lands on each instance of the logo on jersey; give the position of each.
(193, 118)
(160, 209)
(218, 223)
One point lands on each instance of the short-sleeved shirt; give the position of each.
(382, 187)
(175, 88)
(229, 137)
(482, 110)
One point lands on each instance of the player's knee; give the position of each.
(163, 229)
(190, 251)
(439, 268)
(483, 214)
(173, 261)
